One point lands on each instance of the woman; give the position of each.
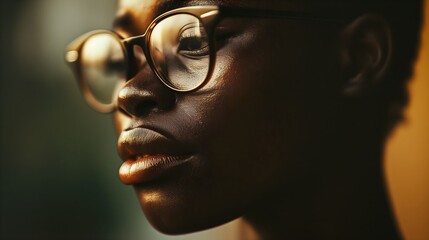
(274, 111)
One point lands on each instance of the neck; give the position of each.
(344, 197)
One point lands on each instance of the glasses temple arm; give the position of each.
(268, 13)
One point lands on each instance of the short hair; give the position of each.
(404, 18)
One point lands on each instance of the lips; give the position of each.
(149, 155)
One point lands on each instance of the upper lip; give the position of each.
(142, 141)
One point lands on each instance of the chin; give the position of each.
(174, 209)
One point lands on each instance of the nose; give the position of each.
(144, 94)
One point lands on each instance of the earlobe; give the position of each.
(366, 49)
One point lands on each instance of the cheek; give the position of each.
(245, 125)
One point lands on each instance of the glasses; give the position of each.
(178, 46)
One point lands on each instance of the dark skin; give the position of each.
(281, 135)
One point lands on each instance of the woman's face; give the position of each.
(205, 157)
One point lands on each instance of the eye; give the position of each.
(193, 41)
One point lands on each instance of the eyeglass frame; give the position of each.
(209, 16)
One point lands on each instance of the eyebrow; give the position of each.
(168, 5)
(122, 21)
(172, 4)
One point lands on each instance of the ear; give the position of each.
(366, 50)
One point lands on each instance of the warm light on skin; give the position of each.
(153, 197)
(130, 4)
(131, 8)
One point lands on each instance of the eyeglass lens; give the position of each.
(102, 66)
(178, 47)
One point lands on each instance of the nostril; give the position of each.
(142, 95)
(121, 110)
(137, 102)
(145, 107)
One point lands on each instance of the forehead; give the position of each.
(162, 5)
(135, 3)
(133, 16)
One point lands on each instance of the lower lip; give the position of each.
(149, 168)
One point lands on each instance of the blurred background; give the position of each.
(58, 157)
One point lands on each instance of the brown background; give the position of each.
(407, 155)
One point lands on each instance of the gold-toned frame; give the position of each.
(208, 15)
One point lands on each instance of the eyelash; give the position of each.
(223, 36)
(186, 36)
